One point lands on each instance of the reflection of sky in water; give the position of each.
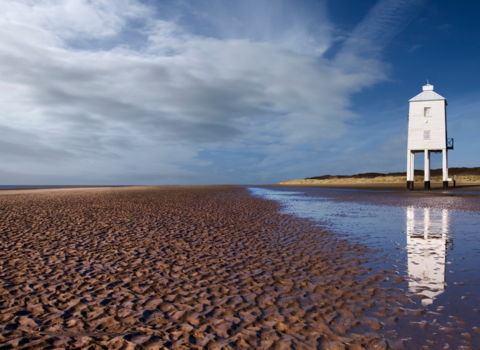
(438, 249)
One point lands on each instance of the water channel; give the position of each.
(426, 239)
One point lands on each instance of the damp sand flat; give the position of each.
(430, 240)
(182, 268)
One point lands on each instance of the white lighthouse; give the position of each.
(427, 133)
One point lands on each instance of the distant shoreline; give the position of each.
(50, 187)
(384, 185)
(464, 176)
(434, 173)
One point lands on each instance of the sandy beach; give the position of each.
(389, 186)
(183, 268)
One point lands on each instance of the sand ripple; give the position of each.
(180, 268)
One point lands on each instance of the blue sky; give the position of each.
(245, 92)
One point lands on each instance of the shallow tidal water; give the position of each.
(435, 247)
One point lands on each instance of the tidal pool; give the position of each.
(433, 241)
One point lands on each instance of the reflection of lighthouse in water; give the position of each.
(427, 235)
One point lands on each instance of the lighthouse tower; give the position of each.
(427, 133)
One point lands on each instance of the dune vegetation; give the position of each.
(379, 179)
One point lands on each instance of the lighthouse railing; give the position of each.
(450, 144)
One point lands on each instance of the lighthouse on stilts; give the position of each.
(427, 133)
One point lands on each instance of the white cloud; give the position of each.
(72, 18)
(121, 114)
(301, 26)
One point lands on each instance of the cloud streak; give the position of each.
(382, 23)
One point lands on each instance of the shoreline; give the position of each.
(381, 186)
(417, 233)
(395, 186)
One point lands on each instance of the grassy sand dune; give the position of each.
(379, 179)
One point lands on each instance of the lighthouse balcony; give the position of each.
(450, 144)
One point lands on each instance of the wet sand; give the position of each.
(395, 223)
(184, 267)
(177, 268)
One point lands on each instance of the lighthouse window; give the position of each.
(426, 134)
(427, 112)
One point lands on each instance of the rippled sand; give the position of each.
(182, 268)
